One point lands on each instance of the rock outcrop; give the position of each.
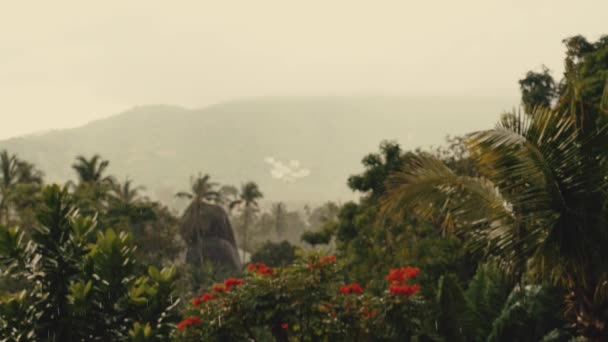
(209, 237)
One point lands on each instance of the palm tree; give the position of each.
(126, 193)
(28, 173)
(279, 215)
(92, 190)
(125, 206)
(202, 190)
(14, 171)
(540, 204)
(206, 228)
(92, 170)
(248, 202)
(9, 167)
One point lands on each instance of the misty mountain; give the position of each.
(296, 148)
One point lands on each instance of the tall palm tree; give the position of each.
(9, 167)
(94, 186)
(206, 228)
(541, 204)
(248, 202)
(279, 217)
(28, 173)
(125, 205)
(92, 170)
(14, 171)
(126, 193)
(202, 190)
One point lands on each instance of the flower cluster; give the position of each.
(230, 282)
(219, 288)
(351, 288)
(408, 290)
(228, 285)
(327, 259)
(398, 277)
(196, 301)
(207, 297)
(261, 269)
(323, 261)
(321, 294)
(188, 321)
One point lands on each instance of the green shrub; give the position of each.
(275, 253)
(308, 301)
(78, 285)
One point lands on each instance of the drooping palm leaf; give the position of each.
(543, 169)
(542, 193)
(428, 188)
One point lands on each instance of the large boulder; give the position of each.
(209, 236)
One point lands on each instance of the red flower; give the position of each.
(345, 289)
(328, 259)
(181, 325)
(395, 289)
(232, 282)
(352, 288)
(261, 269)
(396, 275)
(404, 289)
(399, 275)
(196, 301)
(207, 297)
(219, 288)
(411, 272)
(322, 261)
(265, 270)
(284, 326)
(412, 290)
(188, 321)
(356, 288)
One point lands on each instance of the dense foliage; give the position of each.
(275, 254)
(538, 205)
(74, 281)
(508, 226)
(308, 301)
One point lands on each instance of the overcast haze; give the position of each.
(65, 63)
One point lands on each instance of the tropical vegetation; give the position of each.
(498, 235)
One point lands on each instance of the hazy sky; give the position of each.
(64, 63)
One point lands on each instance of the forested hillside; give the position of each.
(161, 146)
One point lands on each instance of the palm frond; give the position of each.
(183, 194)
(427, 187)
(543, 168)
